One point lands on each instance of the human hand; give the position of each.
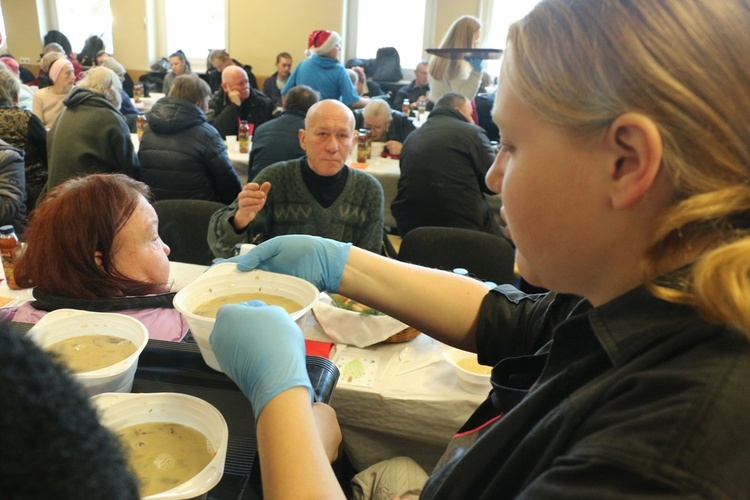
(235, 97)
(394, 147)
(251, 200)
(476, 62)
(318, 260)
(262, 349)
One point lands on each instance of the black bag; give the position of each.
(93, 45)
(387, 66)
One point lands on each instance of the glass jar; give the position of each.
(243, 137)
(9, 247)
(362, 146)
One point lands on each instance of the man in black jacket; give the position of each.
(443, 168)
(235, 101)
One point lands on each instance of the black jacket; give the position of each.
(443, 165)
(183, 157)
(225, 115)
(12, 189)
(275, 141)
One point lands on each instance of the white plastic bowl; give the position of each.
(117, 411)
(469, 381)
(65, 323)
(224, 279)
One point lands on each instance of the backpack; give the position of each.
(93, 45)
(387, 65)
(54, 36)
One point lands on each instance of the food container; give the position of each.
(117, 411)
(224, 279)
(65, 323)
(468, 380)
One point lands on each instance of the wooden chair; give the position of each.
(485, 256)
(183, 225)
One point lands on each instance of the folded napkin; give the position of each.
(318, 348)
(351, 327)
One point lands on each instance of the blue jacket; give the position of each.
(183, 157)
(327, 76)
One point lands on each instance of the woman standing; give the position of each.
(48, 102)
(457, 75)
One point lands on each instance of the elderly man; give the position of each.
(91, 135)
(236, 100)
(316, 194)
(443, 165)
(387, 125)
(417, 90)
(278, 140)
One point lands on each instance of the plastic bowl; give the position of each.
(117, 411)
(65, 323)
(469, 381)
(224, 279)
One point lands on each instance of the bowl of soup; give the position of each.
(472, 377)
(101, 349)
(175, 444)
(223, 284)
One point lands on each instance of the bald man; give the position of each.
(317, 194)
(237, 100)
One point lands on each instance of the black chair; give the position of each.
(485, 256)
(183, 225)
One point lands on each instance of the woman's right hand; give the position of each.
(318, 260)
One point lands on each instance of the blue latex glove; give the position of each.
(318, 260)
(476, 62)
(262, 349)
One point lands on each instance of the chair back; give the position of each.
(183, 225)
(485, 256)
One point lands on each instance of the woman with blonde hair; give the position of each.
(624, 169)
(457, 75)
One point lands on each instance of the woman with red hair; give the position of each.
(92, 244)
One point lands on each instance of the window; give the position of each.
(194, 34)
(79, 19)
(372, 27)
(496, 19)
(3, 33)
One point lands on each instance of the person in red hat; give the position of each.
(323, 72)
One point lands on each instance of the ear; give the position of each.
(636, 146)
(98, 259)
(302, 137)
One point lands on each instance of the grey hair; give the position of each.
(115, 66)
(105, 82)
(10, 86)
(377, 107)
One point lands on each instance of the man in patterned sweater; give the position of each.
(316, 194)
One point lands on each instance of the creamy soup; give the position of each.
(87, 353)
(472, 365)
(210, 308)
(163, 455)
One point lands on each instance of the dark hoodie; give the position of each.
(183, 157)
(89, 136)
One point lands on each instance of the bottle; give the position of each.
(421, 107)
(243, 137)
(362, 146)
(406, 107)
(140, 125)
(8, 247)
(369, 142)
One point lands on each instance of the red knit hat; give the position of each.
(321, 42)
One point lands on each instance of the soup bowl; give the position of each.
(224, 280)
(66, 323)
(117, 411)
(469, 380)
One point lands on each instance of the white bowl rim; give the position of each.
(59, 315)
(452, 355)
